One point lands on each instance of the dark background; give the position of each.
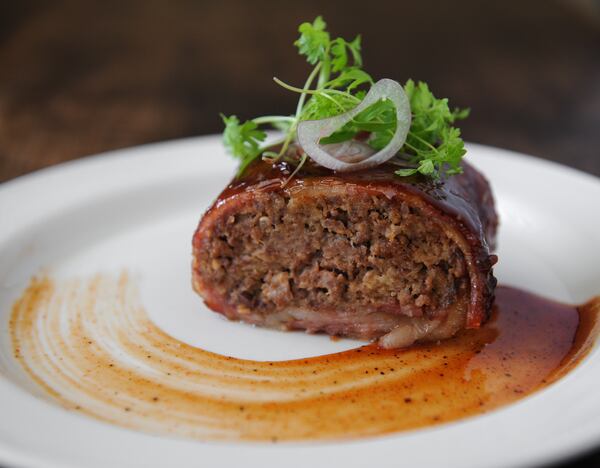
(81, 77)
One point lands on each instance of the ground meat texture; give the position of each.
(364, 257)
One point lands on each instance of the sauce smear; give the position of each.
(91, 346)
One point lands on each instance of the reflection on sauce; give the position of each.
(91, 346)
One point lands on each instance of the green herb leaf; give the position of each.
(243, 141)
(337, 84)
(313, 41)
(432, 141)
(326, 104)
(339, 53)
(350, 79)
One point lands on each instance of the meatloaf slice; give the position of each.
(366, 255)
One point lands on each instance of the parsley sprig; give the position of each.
(336, 84)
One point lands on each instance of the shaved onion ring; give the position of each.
(354, 155)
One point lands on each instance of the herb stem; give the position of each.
(286, 142)
(306, 88)
(273, 118)
(295, 89)
(298, 167)
(327, 96)
(342, 93)
(322, 92)
(299, 107)
(425, 142)
(326, 70)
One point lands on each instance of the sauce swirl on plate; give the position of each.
(90, 344)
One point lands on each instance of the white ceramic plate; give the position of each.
(138, 208)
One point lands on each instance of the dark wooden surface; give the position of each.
(81, 77)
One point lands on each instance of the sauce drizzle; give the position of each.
(91, 346)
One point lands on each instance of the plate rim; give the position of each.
(11, 456)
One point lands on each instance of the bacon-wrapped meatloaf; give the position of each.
(364, 254)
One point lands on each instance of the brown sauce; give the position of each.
(91, 346)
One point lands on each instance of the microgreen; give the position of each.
(336, 84)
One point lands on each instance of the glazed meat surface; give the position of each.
(366, 255)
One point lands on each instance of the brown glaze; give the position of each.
(463, 204)
(466, 196)
(91, 346)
